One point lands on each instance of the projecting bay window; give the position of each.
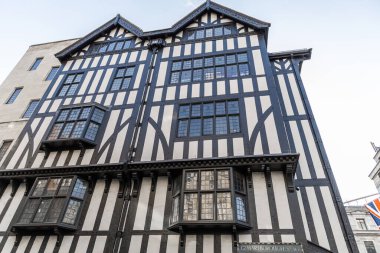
(209, 118)
(54, 202)
(75, 127)
(210, 68)
(209, 197)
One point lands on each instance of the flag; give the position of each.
(374, 209)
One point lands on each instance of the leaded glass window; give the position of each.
(109, 46)
(209, 32)
(122, 78)
(70, 85)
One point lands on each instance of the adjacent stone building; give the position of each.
(193, 138)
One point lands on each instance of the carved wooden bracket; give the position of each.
(91, 183)
(153, 175)
(59, 237)
(289, 176)
(122, 184)
(266, 170)
(28, 185)
(107, 181)
(170, 180)
(18, 239)
(249, 177)
(15, 183)
(136, 183)
(181, 236)
(235, 235)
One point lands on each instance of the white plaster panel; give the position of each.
(170, 93)
(77, 64)
(234, 88)
(95, 82)
(102, 159)
(213, 17)
(311, 143)
(6, 195)
(198, 48)
(251, 112)
(258, 61)
(176, 51)
(266, 238)
(247, 85)
(132, 97)
(120, 98)
(208, 89)
(191, 244)
(208, 243)
(74, 157)
(193, 149)
(114, 59)
(264, 220)
(221, 87)
(183, 92)
(123, 58)
(110, 205)
(242, 42)
(208, 46)
(62, 158)
(167, 121)
(238, 146)
(95, 62)
(17, 154)
(104, 60)
(296, 94)
(85, 83)
(195, 90)
(219, 45)
(108, 100)
(230, 44)
(67, 65)
(9, 244)
(67, 101)
(166, 52)
(317, 218)
(254, 40)
(187, 49)
(50, 244)
(288, 239)
(285, 95)
(92, 212)
(100, 242)
(50, 159)
(204, 18)
(207, 148)
(159, 204)
(12, 207)
(272, 136)
(160, 152)
(178, 150)
(143, 55)
(173, 243)
(82, 244)
(142, 206)
(34, 124)
(262, 83)
(138, 76)
(37, 244)
(153, 243)
(119, 144)
(303, 216)
(111, 124)
(66, 244)
(55, 105)
(245, 238)
(148, 144)
(222, 148)
(44, 106)
(334, 220)
(86, 63)
(105, 81)
(37, 162)
(157, 94)
(226, 243)
(281, 199)
(299, 148)
(133, 56)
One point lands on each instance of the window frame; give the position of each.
(114, 76)
(36, 63)
(181, 178)
(194, 30)
(107, 44)
(63, 83)
(361, 223)
(51, 69)
(8, 101)
(27, 108)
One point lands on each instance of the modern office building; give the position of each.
(193, 138)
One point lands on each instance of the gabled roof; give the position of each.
(118, 20)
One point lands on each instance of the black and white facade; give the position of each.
(189, 139)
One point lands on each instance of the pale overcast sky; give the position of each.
(342, 78)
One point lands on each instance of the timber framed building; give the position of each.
(187, 139)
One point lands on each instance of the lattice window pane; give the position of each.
(29, 210)
(182, 128)
(184, 111)
(209, 74)
(36, 64)
(126, 83)
(233, 107)
(243, 69)
(42, 210)
(40, 187)
(219, 60)
(209, 32)
(231, 59)
(186, 76)
(208, 109)
(116, 83)
(103, 48)
(208, 126)
(63, 115)
(52, 186)
(240, 209)
(242, 57)
(219, 72)
(72, 90)
(79, 189)
(221, 125)
(218, 31)
(92, 130)
(239, 182)
(175, 210)
(65, 185)
(197, 74)
(129, 71)
(232, 71)
(120, 72)
(72, 212)
(209, 61)
(177, 65)
(207, 180)
(190, 209)
(200, 34)
(196, 110)
(52, 73)
(187, 64)
(31, 108)
(119, 45)
(14, 95)
(78, 129)
(195, 127)
(67, 130)
(220, 108)
(191, 180)
(111, 47)
(207, 206)
(74, 114)
(234, 124)
(55, 131)
(85, 113)
(64, 90)
(78, 77)
(127, 44)
(174, 77)
(55, 210)
(227, 30)
(198, 63)
(191, 35)
(224, 207)
(223, 179)
(69, 79)
(97, 116)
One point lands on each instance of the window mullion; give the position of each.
(233, 195)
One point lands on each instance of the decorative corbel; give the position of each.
(107, 181)
(235, 236)
(249, 176)
(136, 184)
(59, 237)
(82, 149)
(170, 180)
(28, 185)
(290, 177)
(15, 183)
(266, 170)
(91, 183)
(18, 240)
(181, 236)
(120, 177)
(153, 176)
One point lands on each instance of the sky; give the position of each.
(342, 78)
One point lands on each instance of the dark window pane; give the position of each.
(184, 111)
(55, 210)
(29, 210)
(36, 64)
(209, 61)
(74, 114)
(97, 116)
(234, 124)
(242, 57)
(200, 34)
(55, 131)
(65, 185)
(119, 45)
(221, 125)
(220, 108)
(102, 48)
(127, 44)
(175, 210)
(42, 210)
(92, 130)
(177, 65)
(78, 129)
(233, 107)
(79, 189)
(239, 182)
(243, 69)
(227, 30)
(370, 247)
(52, 186)
(232, 71)
(40, 187)
(218, 31)
(182, 128)
(85, 113)
(191, 35)
(196, 110)
(186, 64)
(52, 73)
(71, 212)
(198, 63)
(67, 130)
(208, 109)
(240, 209)
(208, 32)
(197, 75)
(14, 95)
(231, 59)
(175, 77)
(195, 127)
(219, 60)
(186, 76)
(209, 74)
(219, 72)
(29, 111)
(111, 47)
(208, 126)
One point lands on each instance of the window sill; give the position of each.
(64, 144)
(42, 227)
(204, 224)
